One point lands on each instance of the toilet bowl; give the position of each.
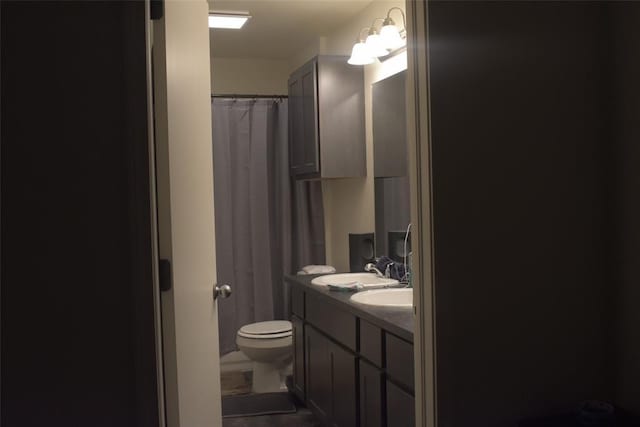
(269, 345)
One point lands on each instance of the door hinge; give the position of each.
(156, 9)
(165, 274)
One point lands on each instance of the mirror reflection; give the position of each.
(392, 209)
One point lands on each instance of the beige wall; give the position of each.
(249, 76)
(349, 205)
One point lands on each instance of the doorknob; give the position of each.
(222, 291)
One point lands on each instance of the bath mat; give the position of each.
(257, 404)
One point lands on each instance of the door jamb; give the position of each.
(153, 215)
(419, 146)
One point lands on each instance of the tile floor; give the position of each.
(302, 418)
(239, 382)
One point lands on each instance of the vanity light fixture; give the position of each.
(391, 36)
(228, 20)
(388, 41)
(374, 42)
(360, 54)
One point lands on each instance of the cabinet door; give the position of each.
(370, 395)
(298, 357)
(296, 123)
(400, 407)
(318, 373)
(309, 100)
(343, 386)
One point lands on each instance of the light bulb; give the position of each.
(360, 55)
(390, 37)
(375, 47)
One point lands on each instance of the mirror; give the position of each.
(391, 182)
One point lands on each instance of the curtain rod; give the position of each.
(249, 96)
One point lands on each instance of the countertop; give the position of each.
(398, 321)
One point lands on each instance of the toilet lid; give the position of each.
(269, 329)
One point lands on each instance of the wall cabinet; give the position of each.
(348, 371)
(326, 120)
(389, 127)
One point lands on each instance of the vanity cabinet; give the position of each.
(370, 395)
(348, 370)
(326, 120)
(298, 357)
(331, 376)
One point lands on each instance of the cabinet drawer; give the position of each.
(297, 301)
(333, 321)
(371, 342)
(399, 360)
(400, 407)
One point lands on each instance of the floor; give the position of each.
(236, 383)
(302, 418)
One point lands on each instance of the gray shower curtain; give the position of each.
(266, 224)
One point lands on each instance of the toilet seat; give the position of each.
(266, 330)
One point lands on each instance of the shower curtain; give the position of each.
(267, 225)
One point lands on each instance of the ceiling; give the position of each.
(278, 29)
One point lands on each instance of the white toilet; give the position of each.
(270, 346)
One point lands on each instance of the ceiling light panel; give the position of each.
(227, 20)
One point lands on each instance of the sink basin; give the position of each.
(367, 280)
(385, 297)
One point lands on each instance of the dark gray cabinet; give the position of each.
(303, 121)
(400, 407)
(389, 127)
(298, 357)
(318, 373)
(326, 120)
(331, 379)
(349, 371)
(370, 395)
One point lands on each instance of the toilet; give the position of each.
(269, 345)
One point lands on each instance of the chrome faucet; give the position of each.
(371, 268)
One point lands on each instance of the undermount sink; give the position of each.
(367, 280)
(385, 297)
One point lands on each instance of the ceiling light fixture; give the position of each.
(228, 20)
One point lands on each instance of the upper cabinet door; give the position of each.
(326, 112)
(303, 121)
(310, 118)
(296, 129)
(389, 127)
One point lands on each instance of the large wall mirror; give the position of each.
(392, 208)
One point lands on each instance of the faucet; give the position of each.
(371, 268)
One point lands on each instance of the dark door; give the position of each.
(78, 333)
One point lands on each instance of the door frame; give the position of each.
(419, 148)
(183, 221)
(153, 216)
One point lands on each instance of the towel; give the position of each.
(317, 269)
(346, 287)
